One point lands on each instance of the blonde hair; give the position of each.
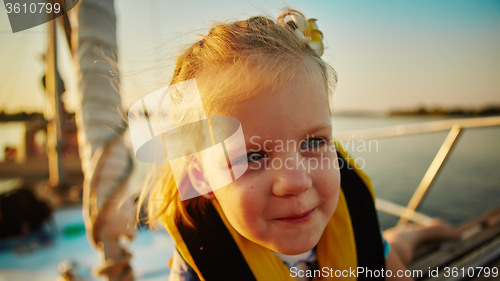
(231, 63)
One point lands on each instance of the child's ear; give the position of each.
(198, 180)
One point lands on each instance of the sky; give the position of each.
(389, 54)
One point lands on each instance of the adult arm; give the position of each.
(394, 263)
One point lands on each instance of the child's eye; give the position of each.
(251, 157)
(254, 156)
(312, 144)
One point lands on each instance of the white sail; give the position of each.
(106, 162)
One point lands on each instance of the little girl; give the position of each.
(292, 206)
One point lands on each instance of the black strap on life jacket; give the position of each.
(213, 249)
(218, 257)
(369, 247)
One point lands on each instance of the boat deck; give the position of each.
(475, 257)
(151, 252)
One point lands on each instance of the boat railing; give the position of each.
(455, 128)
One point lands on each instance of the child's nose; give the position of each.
(291, 179)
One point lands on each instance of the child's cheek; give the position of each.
(239, 200)
(328, 184)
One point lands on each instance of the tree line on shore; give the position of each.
(24, 116)
(438, 111)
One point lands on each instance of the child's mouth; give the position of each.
(300, 218)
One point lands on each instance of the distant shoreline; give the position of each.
(21, 116)
(420, 111)
(425, 112)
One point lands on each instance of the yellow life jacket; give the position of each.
(351, 239)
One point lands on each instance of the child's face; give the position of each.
(289, 191)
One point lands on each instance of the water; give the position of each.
(468, 185)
